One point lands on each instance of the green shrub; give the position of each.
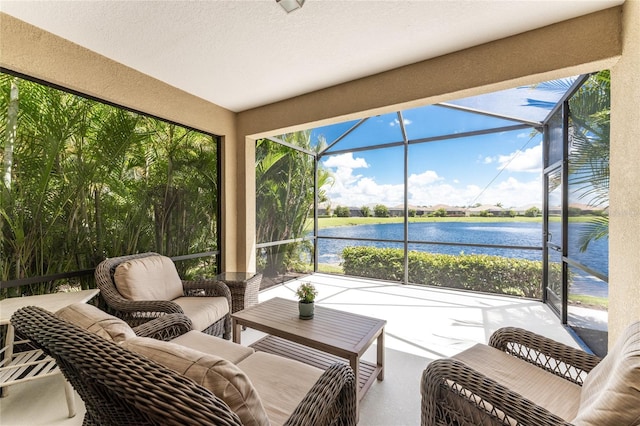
(532, 212)
(491, 274)
(342, 211)
(440, 213)
(380, 210)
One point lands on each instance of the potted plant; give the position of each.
(306, 297)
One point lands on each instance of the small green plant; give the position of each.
(306, 293)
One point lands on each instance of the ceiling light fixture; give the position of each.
(290, 5)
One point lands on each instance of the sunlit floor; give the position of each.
(422, 324)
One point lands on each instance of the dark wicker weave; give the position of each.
(120, 387)
(138, 312)
(244, 289)
(166, 327)
(455, 394)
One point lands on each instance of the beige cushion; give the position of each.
(611, 391)
(96, 321)
(557, 395)
(208, 344)
(218, 375)
(203, 311)
(148, 278)
(282, 383)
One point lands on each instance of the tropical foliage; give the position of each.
(83, 181)
(590, 110)
(285, 200)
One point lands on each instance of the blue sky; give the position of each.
(502, 167)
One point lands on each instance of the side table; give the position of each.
(244, 288)
(30, 365)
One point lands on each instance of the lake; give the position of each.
(496, 233)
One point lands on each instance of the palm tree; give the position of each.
(589, 151)
(285, 196)
(589, 117)
(82, 180)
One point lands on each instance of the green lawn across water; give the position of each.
(332, 222)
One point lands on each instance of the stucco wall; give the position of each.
(624, 226)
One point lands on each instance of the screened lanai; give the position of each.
(499, 193)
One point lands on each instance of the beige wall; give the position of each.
(585, 44)
(624, 227)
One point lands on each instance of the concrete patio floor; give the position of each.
(423, 324)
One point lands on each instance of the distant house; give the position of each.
(521, 210)
(452, 211)
(490, 209)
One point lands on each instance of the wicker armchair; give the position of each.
(526, 379)
(120, 387)
(136, 312)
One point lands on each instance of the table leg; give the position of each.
(236, 331)
(354, 361)
(380, 357)
(8, 353)
(71, 397)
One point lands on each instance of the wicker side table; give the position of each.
(244, 288)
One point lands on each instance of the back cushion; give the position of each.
(96, 321)
(221, 377)
(611, 391)
(148, 278)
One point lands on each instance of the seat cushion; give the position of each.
(203, 311)
(282, 383)
(557, 395)
(611, 391)
(213, 345)
(148, 278)
(221, 377)
(96, 321)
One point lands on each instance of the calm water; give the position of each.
(496, 233)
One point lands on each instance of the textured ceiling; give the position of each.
(242, 54)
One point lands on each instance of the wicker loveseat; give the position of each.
(124, 377)
(522, 378)
(140, 287)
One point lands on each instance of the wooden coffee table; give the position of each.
(331, 336)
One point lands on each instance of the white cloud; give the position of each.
(426, 178)
(428, 188)
(345, 161)
(529, 160)
(513, 192)
(396, 122)
(487, 160)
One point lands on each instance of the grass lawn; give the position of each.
(332, 222)
(589, 301)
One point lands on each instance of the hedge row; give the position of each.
(492, 274)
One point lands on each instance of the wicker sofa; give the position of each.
(140, 287)
(129, 377)
(522, 378)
